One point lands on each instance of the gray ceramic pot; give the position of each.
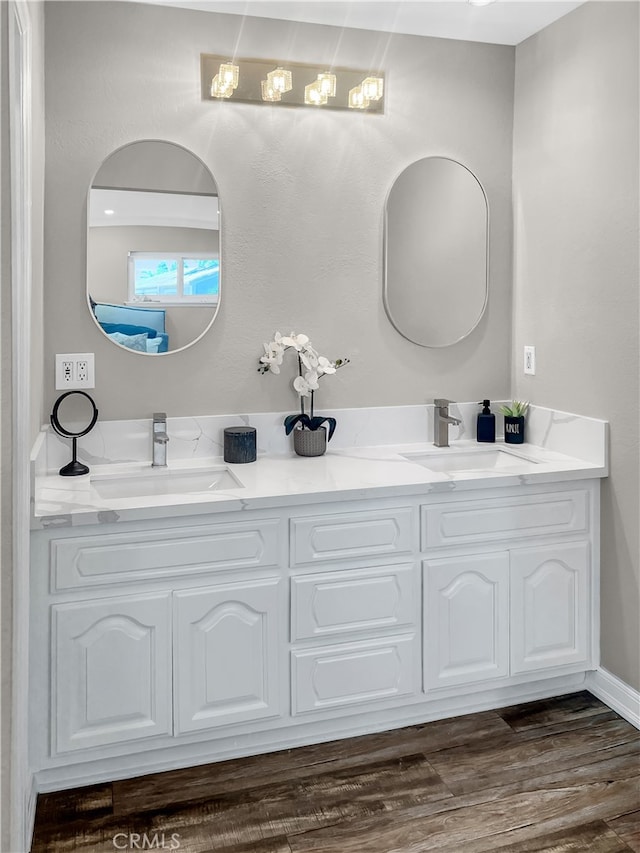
(310, 442)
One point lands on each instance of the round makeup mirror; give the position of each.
(153, 247)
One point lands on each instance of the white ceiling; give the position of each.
(503, 22)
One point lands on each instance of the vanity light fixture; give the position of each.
(291, 84)
(280, 80)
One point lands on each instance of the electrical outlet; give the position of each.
(75, 370)
(530, 360)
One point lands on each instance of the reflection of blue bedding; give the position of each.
(130, 320)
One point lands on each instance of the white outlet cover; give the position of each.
(71, 381)
(530, 360)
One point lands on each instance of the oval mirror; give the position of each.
(436, 252)
(153, 247)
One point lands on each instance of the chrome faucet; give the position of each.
(441, 421)
(160, 439)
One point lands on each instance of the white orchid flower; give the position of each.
(273, 356)
(309, 358)
(325, 366)
(302, 386)
(311, 377)
(295, 341)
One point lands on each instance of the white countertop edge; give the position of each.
(284, 480)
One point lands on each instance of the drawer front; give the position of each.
(499, 519)
(333, 603)
(353, 674)
(122, 557)
(348, 536)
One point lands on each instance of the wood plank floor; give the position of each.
(559, 775)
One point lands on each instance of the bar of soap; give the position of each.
(240, 444)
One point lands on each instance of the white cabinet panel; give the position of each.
(226, 654)
(466, 619)
(111, 670)
(504, 518)
(347, 536)
(549, 606)
(353, 673)
(86, 561)
(333, 603)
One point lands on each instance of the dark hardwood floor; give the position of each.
(559, 775)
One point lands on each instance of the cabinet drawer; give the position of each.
(354, 673)
(505, 518)
(121, 557)
(333, 603)
(347, 536)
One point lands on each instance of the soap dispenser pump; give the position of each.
(486, 423)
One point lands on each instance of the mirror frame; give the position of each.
(385, 256)
(88, 202)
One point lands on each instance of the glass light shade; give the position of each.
(327, 84)
(219, 89)
(373, 88)
(229, 74)
(268, 92)
(281, 80)
(357, 100)
(313, 94)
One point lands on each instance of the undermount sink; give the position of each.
(163, 481)
(490, 461)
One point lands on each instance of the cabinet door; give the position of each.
(111, 671)
(549, 606)
(466, 613)
(226, 654)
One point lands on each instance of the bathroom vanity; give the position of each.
(305, 600)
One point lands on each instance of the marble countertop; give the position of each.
(284, 480)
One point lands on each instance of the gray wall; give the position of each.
(576, 270)
(302, 194)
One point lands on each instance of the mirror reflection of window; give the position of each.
(174, 278)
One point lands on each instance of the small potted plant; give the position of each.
(514, 421)
(309, 433)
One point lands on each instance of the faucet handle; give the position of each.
(159, 416)
(441, 403)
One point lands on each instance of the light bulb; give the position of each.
(357, 99)
(268, 92)
(228, 74)
(281, 80)
(372, 88)
(314, 95)
(219, 89)
(327, 83)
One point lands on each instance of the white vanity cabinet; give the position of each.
(157, 645)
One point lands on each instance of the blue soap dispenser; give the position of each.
(486, 423)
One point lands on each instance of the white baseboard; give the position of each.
(618, 695)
